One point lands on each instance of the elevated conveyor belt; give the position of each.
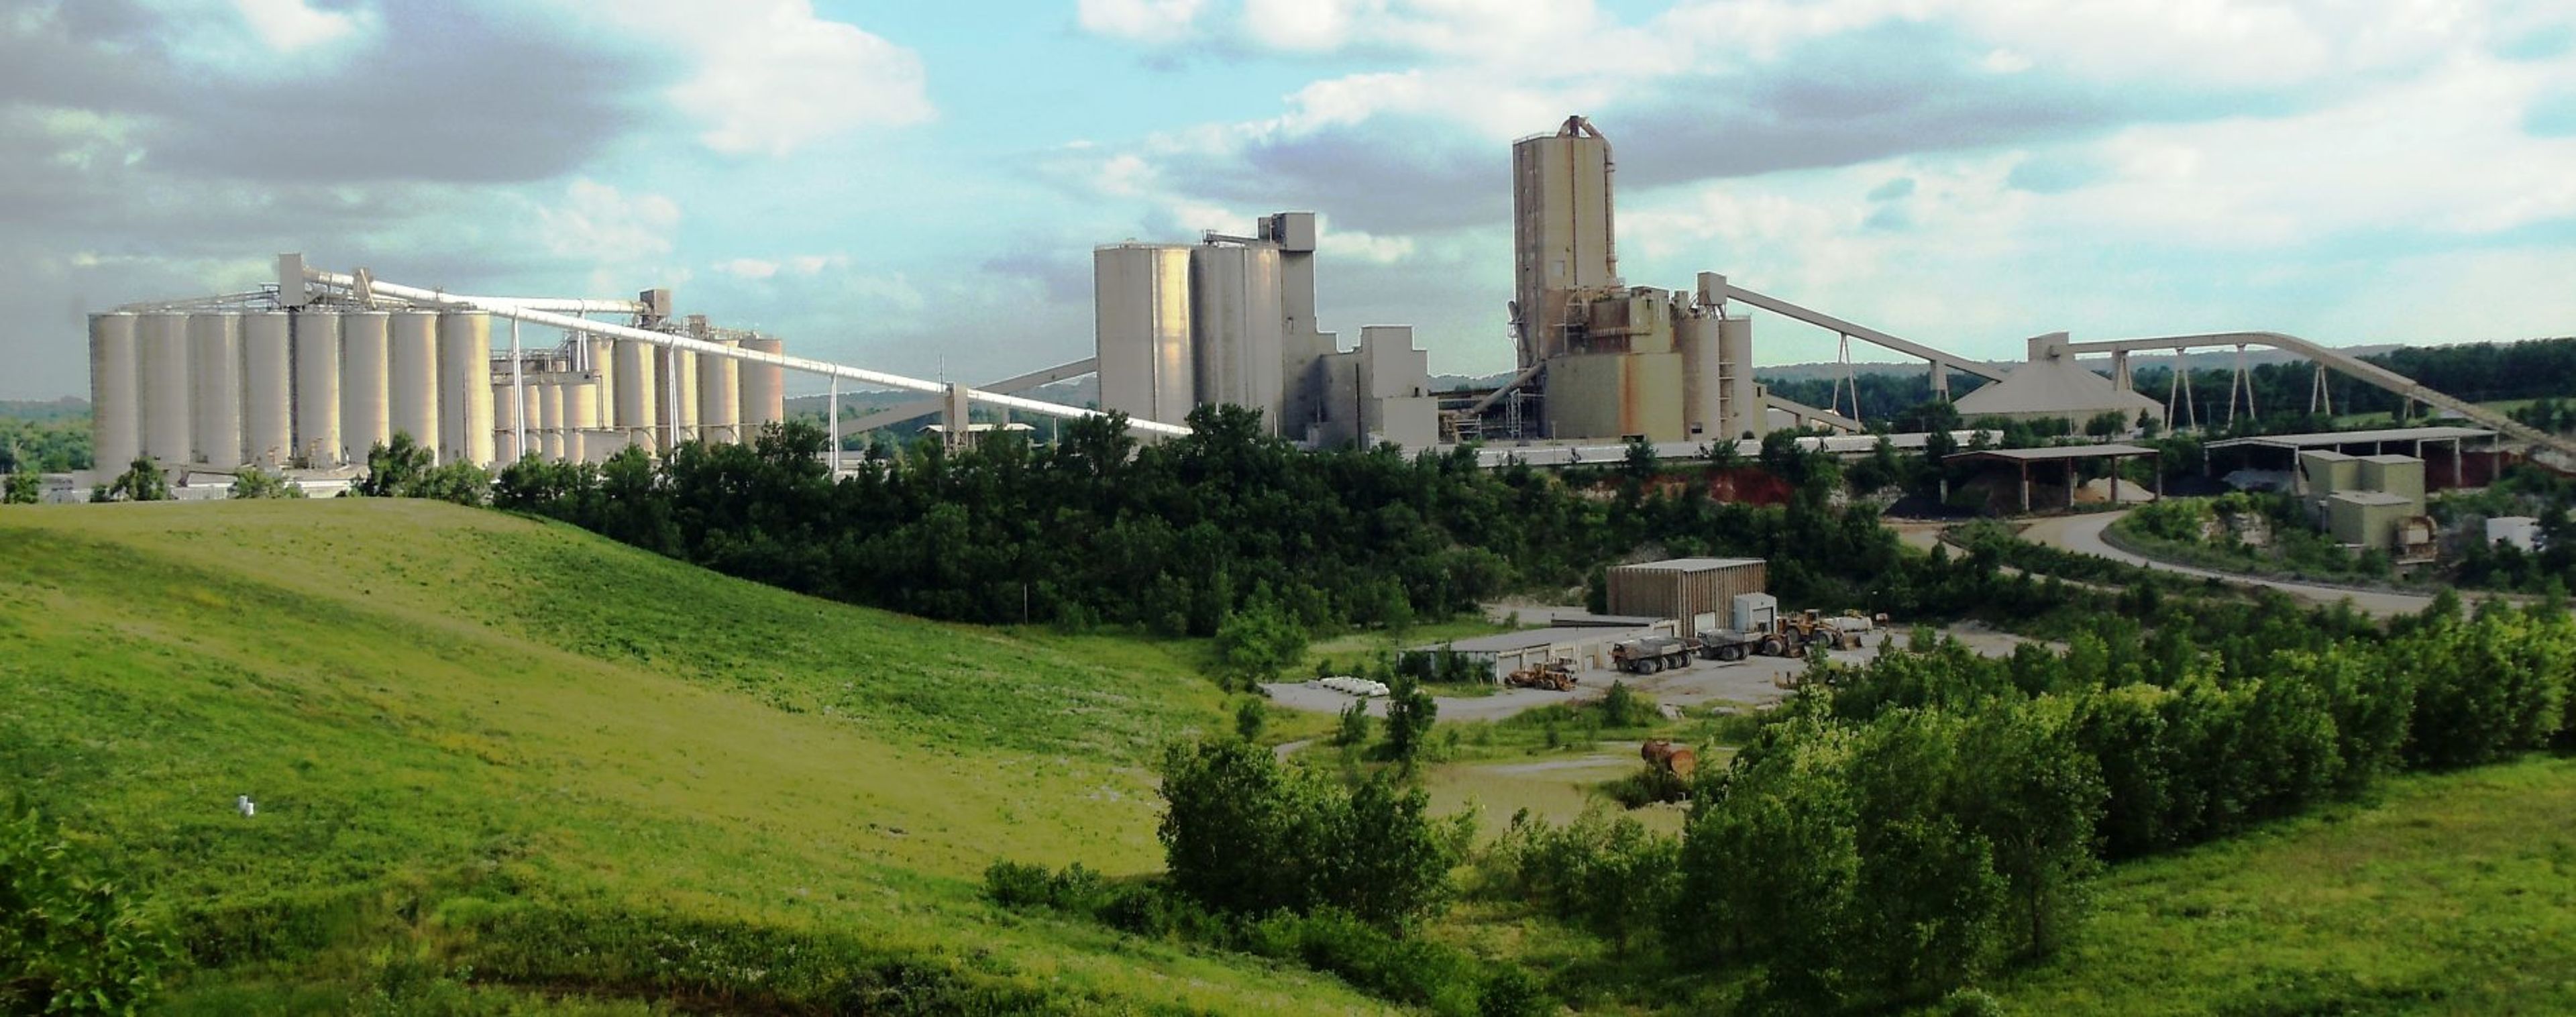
(1806, 414)
(2340, 361)
(1730, 291)
(893, 415)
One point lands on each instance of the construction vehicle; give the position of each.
(1790, 636)
(1650, 654)
(1554, 675)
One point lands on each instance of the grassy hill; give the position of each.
(2453, 894)
(503, 764)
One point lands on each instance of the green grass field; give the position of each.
(469, 733)
(505, 766)
(2453, 894)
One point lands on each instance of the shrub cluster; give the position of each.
(72, 939)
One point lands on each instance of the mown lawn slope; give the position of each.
(501, 763)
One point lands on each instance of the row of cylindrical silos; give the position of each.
(319, 387)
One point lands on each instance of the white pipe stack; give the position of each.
(317, 388)
(115, 399)
(680, 369)
(168, 403)
(268, 382)
(365, 353)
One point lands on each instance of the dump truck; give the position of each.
(1650, 654)
(1790, 636)
(1554, 675)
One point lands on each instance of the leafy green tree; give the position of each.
(1354, 726)
(2036, 796)
(253, 482)
(24, 488)
(1249, 718)
(73, 939)
(1256, 643)
(395, 469)
(1410, 711)
(142, 480)
(1245, 835)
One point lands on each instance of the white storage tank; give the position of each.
(603, 390)
(637, 409)
(268, 383)
(317, 388)
(550, 420)
(465, 388)
(720, 395)
(115, 393)
(168, 402)
(764, 387)
(680, 393)
(411, 384)
(1239, 328)
(365, 356)
(1703, 384)
(1141, 299)
(214, 340)
(1744, 411)
(581, 418)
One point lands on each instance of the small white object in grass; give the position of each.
(247, 807)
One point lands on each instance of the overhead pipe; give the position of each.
(522, 312)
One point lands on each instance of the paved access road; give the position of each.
(2084, 534)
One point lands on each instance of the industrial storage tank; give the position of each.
(115, 393)
(637, 409)
(680, 393)
(602, 389)
(1141, 299)
(550, 420)
(764, 387)
(1563, 228)
(317, 388)
(1703, 383)
(214, 340)
(167, 399)
(411, 383)
(268, 382)
(465, 387)
(720, 395)
(1239, 328)
(1735, 359)
(365, 419)
(581, 420)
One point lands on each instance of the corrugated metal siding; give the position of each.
(1671, 593)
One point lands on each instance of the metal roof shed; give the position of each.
(2068, 454)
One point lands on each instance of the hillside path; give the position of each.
(2083, 534)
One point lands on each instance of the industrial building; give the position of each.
(309, 374)
(2373, 503)
(1697, 593)
(1233, 320)
(2052, 386)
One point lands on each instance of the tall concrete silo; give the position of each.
(115, 393)
(581, 421)
(764, 387)
(1239, 328)
(638, 412)
(678, 380)
(317, 387)
(720, 395)
(214, 340)
(1744, 412)
(411, 384)
(365, 358)
(550, 420)
(603, 387)
(1563, 234)
(268, 385)
(465, 388)
(1703, 382)
(168, 402)
(1141, 300)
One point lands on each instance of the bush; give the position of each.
(1244, 835)
(72, 940)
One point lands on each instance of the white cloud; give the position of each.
(771, 76)
(802, 265)
(1150, 21)
(1363, 247)
(291, 25)
(600, 224)
(747, 268)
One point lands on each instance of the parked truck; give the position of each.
(1790, 636)
(1554, 675)
(1650, 654)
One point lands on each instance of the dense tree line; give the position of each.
(1225, 532)
(44, 445)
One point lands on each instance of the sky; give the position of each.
(917, 187)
